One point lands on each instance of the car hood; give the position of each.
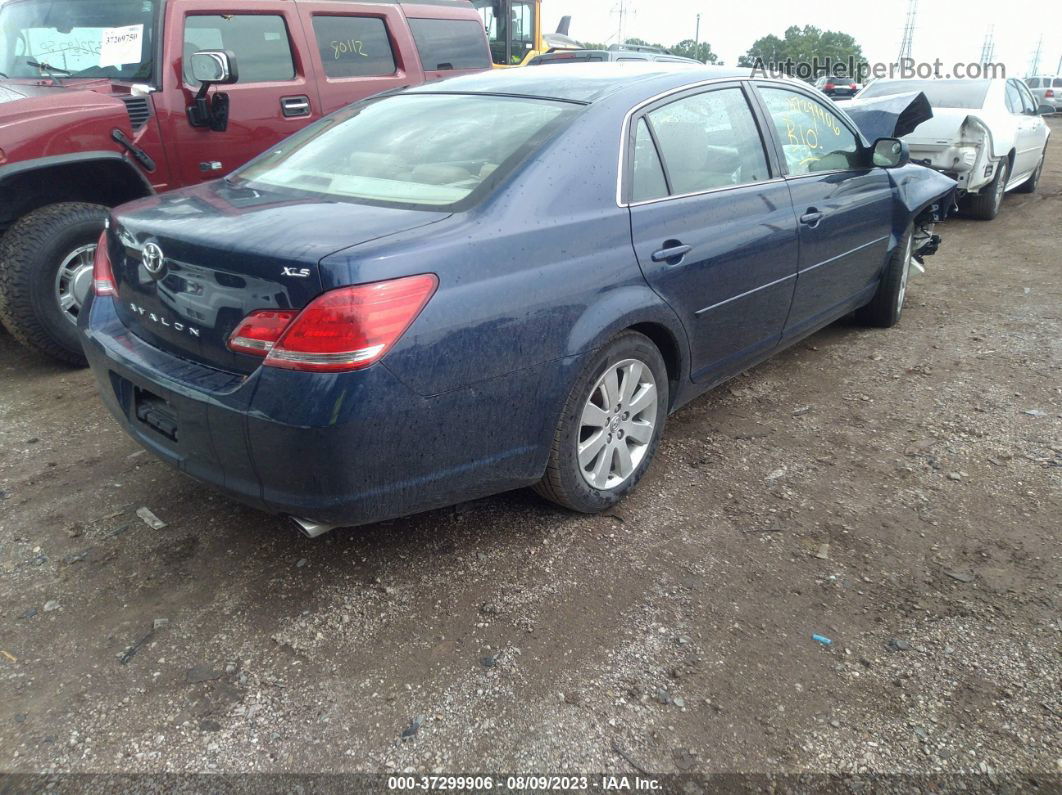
(40, 120)
(890, 117)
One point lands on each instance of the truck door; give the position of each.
(359, 50)
(274, 97)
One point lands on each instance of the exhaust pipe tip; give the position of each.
(312, 529)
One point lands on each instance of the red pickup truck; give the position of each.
(105, 101)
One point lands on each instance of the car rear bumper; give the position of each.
(343, 449)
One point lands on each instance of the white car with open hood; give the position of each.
(988, 135)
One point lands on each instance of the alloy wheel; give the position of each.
(1001, 185)
(905, 273)
(74, 280)
(617, 424)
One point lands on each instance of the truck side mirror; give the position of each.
(210, 68)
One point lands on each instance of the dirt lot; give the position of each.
(898, 492)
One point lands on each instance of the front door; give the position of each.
(714, 233)
(844, 207)
(275, 96)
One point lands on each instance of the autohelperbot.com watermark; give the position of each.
(860, 71)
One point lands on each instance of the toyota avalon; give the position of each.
(504, 280)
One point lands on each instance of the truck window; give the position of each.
(354, 46)
(450, 44)
(1034, 82)
(260, 43)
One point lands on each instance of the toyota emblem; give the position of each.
(153, 259)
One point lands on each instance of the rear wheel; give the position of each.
(610, 428)
(1030, 185)
(985, 205)
(46, 275)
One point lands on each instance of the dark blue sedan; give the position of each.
(503, 280)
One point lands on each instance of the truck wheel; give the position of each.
(46, 275)
(885, 307)
(985, 205)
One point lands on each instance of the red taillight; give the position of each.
(853, 86)
(1049, 94)
(102, 276)
(345, 329)
(829, 87)
(260, 330)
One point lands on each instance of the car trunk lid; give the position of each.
(191, 265)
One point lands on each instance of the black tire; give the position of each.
(563, 482)
(1032, 183)
(986, 205)
(886, 306)
(30, 255)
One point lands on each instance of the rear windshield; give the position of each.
(411, 150)
(940, 93)
(451, 43)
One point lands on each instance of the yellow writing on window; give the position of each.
(349, 47)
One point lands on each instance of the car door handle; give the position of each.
(293, 107)
(812, 217)
(673, 252)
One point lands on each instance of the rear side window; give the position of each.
(708, 141)
(1058, 82)
(354, 46)
(1034, 82)
(450, 44)
(814, 139)
(648, 181)
(1014, 104)
(259, 41)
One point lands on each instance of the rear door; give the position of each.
(1032, 131)
(844, 207)
(275, 95)
(713, 228)
(359, 50)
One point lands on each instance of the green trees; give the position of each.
(806, 45)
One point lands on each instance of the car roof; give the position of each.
(584, 82)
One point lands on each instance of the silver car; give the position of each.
(1047, 89)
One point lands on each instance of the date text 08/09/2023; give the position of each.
(523, 783)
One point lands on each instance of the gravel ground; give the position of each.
(897, 492)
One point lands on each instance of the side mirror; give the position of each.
(891, 153)
(1045, 110)
(216, 67)
(210, 68)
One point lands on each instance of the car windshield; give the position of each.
(412, 150)
(968, 94)
(77, 38)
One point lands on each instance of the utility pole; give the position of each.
(1034, 66)
(988, 50)
(621, 11)
(906, 45)
(697, 35)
